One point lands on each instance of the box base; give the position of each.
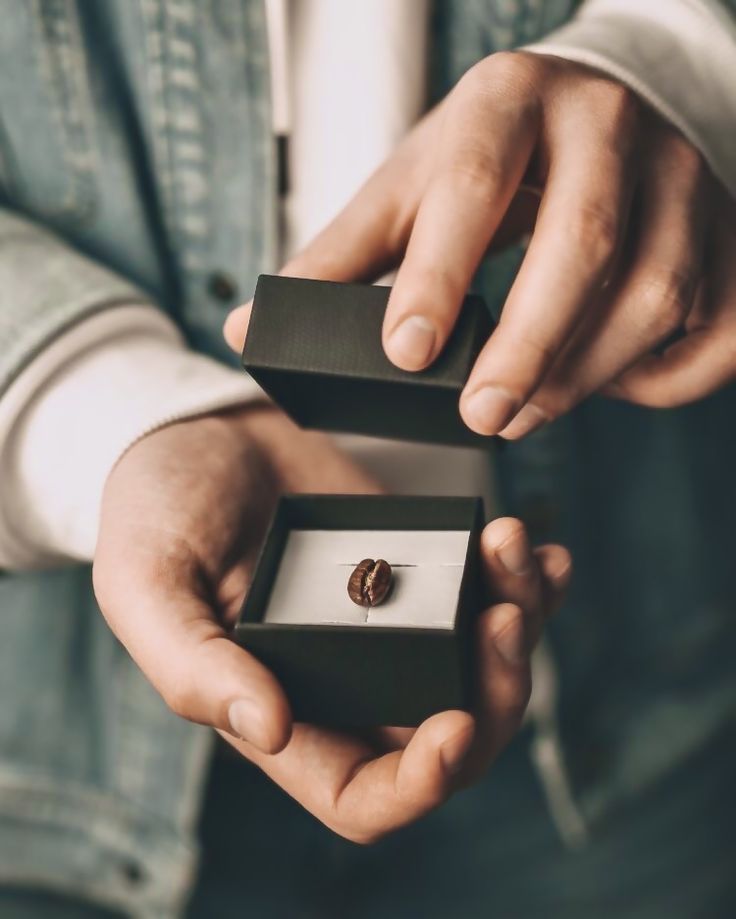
(359, 674)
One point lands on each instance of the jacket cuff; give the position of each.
(74, 411)
(46, 287)
(679, 56)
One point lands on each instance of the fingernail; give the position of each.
(509, 638)
(529, 419)
(488, 409)
(515, 554)
(411, 344)
(246, 720)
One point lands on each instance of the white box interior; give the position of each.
(311, 583)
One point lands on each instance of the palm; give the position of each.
(183, 515)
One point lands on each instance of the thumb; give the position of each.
(202, 675)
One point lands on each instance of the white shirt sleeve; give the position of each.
(122, 374)
(74, 411)
(678, 55)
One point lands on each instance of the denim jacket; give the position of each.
(136, 162)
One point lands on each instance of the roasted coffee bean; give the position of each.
(370, 583)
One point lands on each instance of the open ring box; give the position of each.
(315, 348)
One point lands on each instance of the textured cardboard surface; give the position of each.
(315, 348)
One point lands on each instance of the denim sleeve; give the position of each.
(45, 287)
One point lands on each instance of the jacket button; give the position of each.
(132, 872)
(222, 287)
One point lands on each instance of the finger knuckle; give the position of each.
(684, 157)
(617, 104)
(538, 353)
(505, 74)
(594, 230)
(475, 80)
(556, 399)
(672, 313)
(180, 689)
(666, 299)
(476, 172)
(177, 695)
(513, 68)
(429, 794)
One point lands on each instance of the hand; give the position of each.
(632, 240)
(183, 515)
(363, 785)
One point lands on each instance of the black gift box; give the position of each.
(353, 674)
(315, 348)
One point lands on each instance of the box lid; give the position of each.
(315, 348)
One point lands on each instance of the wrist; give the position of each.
(295, 455)
(303, 461)
(298, 460)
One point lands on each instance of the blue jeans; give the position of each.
(491, 852)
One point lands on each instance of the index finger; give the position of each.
(488, 131)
